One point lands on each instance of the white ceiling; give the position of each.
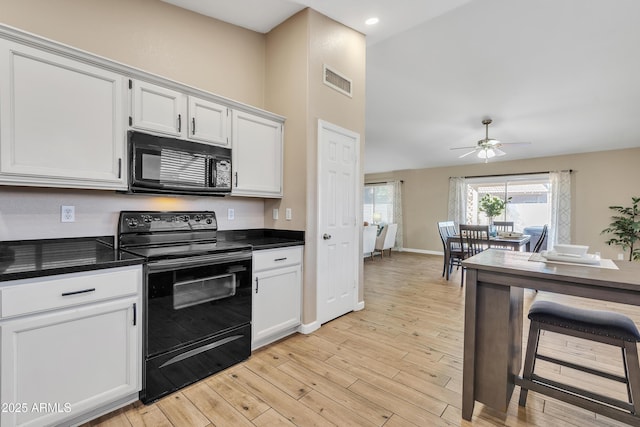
(562, 74)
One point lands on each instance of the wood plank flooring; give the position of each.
(396, 363)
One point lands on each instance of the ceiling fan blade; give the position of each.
(499, 152)
(466, 154)
(463, 148)
(515, 143)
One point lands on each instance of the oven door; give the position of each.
(192, 299)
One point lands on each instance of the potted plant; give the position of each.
(492, 206)
(626, 228)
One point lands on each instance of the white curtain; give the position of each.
(560, 227)
(457, 211)
(397, 212)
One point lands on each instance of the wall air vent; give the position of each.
(337, 81)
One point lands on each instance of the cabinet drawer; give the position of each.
(273, 258)
(66, 290)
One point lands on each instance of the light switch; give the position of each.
(287, 214)
(275, 214)
(231, 214)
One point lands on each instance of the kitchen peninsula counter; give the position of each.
(493, 322)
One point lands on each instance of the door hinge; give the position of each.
(130, 84)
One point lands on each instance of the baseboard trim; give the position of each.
(307, 328)
(359, 306)
(422, 251)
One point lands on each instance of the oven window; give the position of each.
(193, 292)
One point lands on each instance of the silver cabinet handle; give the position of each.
(257, 285)
(326, 236)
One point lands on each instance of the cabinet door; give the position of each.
(62, 121)
(64, 363)
(276, 303)
(158, 109)
(208, 121)
(257, 156)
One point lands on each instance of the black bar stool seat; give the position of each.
(596, 325)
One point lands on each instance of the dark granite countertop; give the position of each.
(23, 259)
(263, 238)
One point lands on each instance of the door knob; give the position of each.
(326, 236)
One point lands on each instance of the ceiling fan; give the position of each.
(487, 147)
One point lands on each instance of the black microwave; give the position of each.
(165, 165)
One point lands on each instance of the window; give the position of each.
(378, 203)
(529, 204)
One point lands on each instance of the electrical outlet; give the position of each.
(287, 214)
(67, 213)
(231, 214)
(275, 214)
(620, 257)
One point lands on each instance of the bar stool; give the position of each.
(601, 326)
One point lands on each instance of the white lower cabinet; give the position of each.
(68, 363)
(277, 290)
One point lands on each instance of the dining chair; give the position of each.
(369, 234)
(505, 226)
(386, 239)
(447, 229)
(473, 240)
(541, 240)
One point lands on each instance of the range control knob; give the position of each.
(209, 221)
(133, 223)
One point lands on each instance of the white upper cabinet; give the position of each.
(158, 109)
(64, 112)
(257, 150)
(162, 110)
(62, 121)
(208, 121)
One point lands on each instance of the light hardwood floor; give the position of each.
(396, 363)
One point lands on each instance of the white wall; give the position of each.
(34, 213)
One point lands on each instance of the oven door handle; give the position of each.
(199, 260)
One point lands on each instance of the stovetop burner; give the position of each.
(155, 235)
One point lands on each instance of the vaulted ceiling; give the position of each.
(563, 75)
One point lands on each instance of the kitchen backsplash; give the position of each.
(35, 213)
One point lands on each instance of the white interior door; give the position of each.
(338, 201)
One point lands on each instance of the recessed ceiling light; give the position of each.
(371, 21)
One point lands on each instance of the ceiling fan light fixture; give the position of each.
(486, 153)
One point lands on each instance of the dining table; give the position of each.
(493, 321)
(516, 243)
